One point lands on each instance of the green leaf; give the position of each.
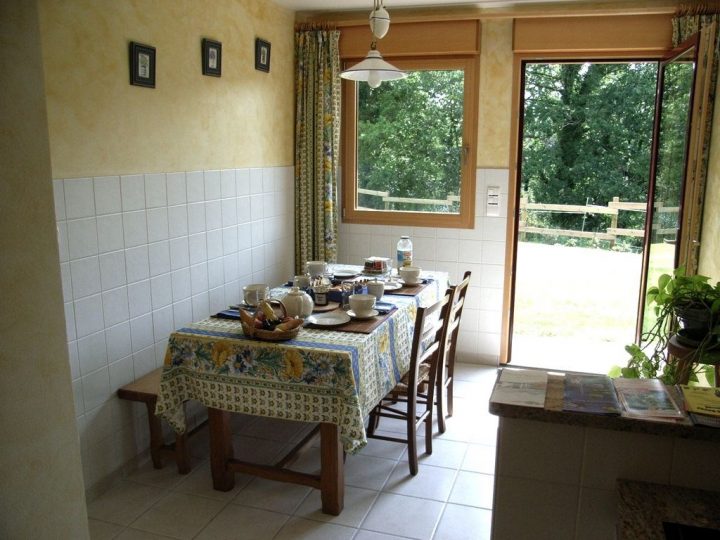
(615, 372)
(630, 373)
(663, 281)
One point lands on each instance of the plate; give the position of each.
(370, 315)
(345, 275)
(393, 286)
(328, 319)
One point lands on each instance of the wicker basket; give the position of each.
(268, 335)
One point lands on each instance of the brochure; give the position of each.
(592, 394)
(701, 399)
(525, 387)
(647, 399)
(703, 404)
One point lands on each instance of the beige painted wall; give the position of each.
(494, 113)
(100, 125)
(710, 237)
(41, 493)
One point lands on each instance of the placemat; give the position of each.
(409, 290)
(331, 306)
(358, 326)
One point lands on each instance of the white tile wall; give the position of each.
(582, 465)
(144, 254)
(480, 250)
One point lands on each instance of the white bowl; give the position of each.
(362, 304)
(410, 274)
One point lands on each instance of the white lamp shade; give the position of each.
(374, 68)
(379, 22)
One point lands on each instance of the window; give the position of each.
(409, 146)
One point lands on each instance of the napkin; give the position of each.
(228, 314)
(384, 307)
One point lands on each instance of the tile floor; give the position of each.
(450, 498)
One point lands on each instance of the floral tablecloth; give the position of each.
(320, 376)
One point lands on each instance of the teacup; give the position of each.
(376, 288)
(410, 274)
(316, 268)
(255, 293)
(362, 304)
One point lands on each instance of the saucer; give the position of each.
(370, 315)
(393, 285)
(345, 275)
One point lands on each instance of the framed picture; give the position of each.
(262, 55)
(142, 65)
(211, 57)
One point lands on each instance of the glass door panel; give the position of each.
(667, 177)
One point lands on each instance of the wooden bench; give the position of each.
(145, 390)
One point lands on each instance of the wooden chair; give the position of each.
(446, 369)
(424, 358)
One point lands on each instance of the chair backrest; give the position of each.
(455, 309)
(427, 338)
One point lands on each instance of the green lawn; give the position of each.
(581, 292)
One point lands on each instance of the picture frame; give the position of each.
(262, 55)
(142, 64)
(211, 58)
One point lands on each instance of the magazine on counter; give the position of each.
(524, 387)
(703, 404)
(592, 394)
(647, 399)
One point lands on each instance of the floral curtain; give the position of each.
(317, 144)
(689, 20)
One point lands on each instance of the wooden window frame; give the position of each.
(465, 219)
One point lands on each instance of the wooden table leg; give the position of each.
(332, 470)
(156, 435)
(221, 450)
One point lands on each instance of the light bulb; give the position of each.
(374, 79)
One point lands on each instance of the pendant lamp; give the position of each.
(373, 69)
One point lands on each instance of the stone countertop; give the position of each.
(553, 413)
(643, 507)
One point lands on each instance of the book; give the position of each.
(705, 420)
(647, 399)
(591, 394)
(523, 387)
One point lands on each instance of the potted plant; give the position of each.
(684, 305)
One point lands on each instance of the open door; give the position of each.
(668, 170)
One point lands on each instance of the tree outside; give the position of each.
(410, 140)
(587, 134)
(587, 137)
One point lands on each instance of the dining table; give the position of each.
(328, 376)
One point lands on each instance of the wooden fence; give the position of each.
(389, 202)
(613, 209)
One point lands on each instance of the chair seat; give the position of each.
(423, 376)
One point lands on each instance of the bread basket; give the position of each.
(247, 321)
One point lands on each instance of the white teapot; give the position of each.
(298, 303)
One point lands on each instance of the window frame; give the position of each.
(465, 219)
